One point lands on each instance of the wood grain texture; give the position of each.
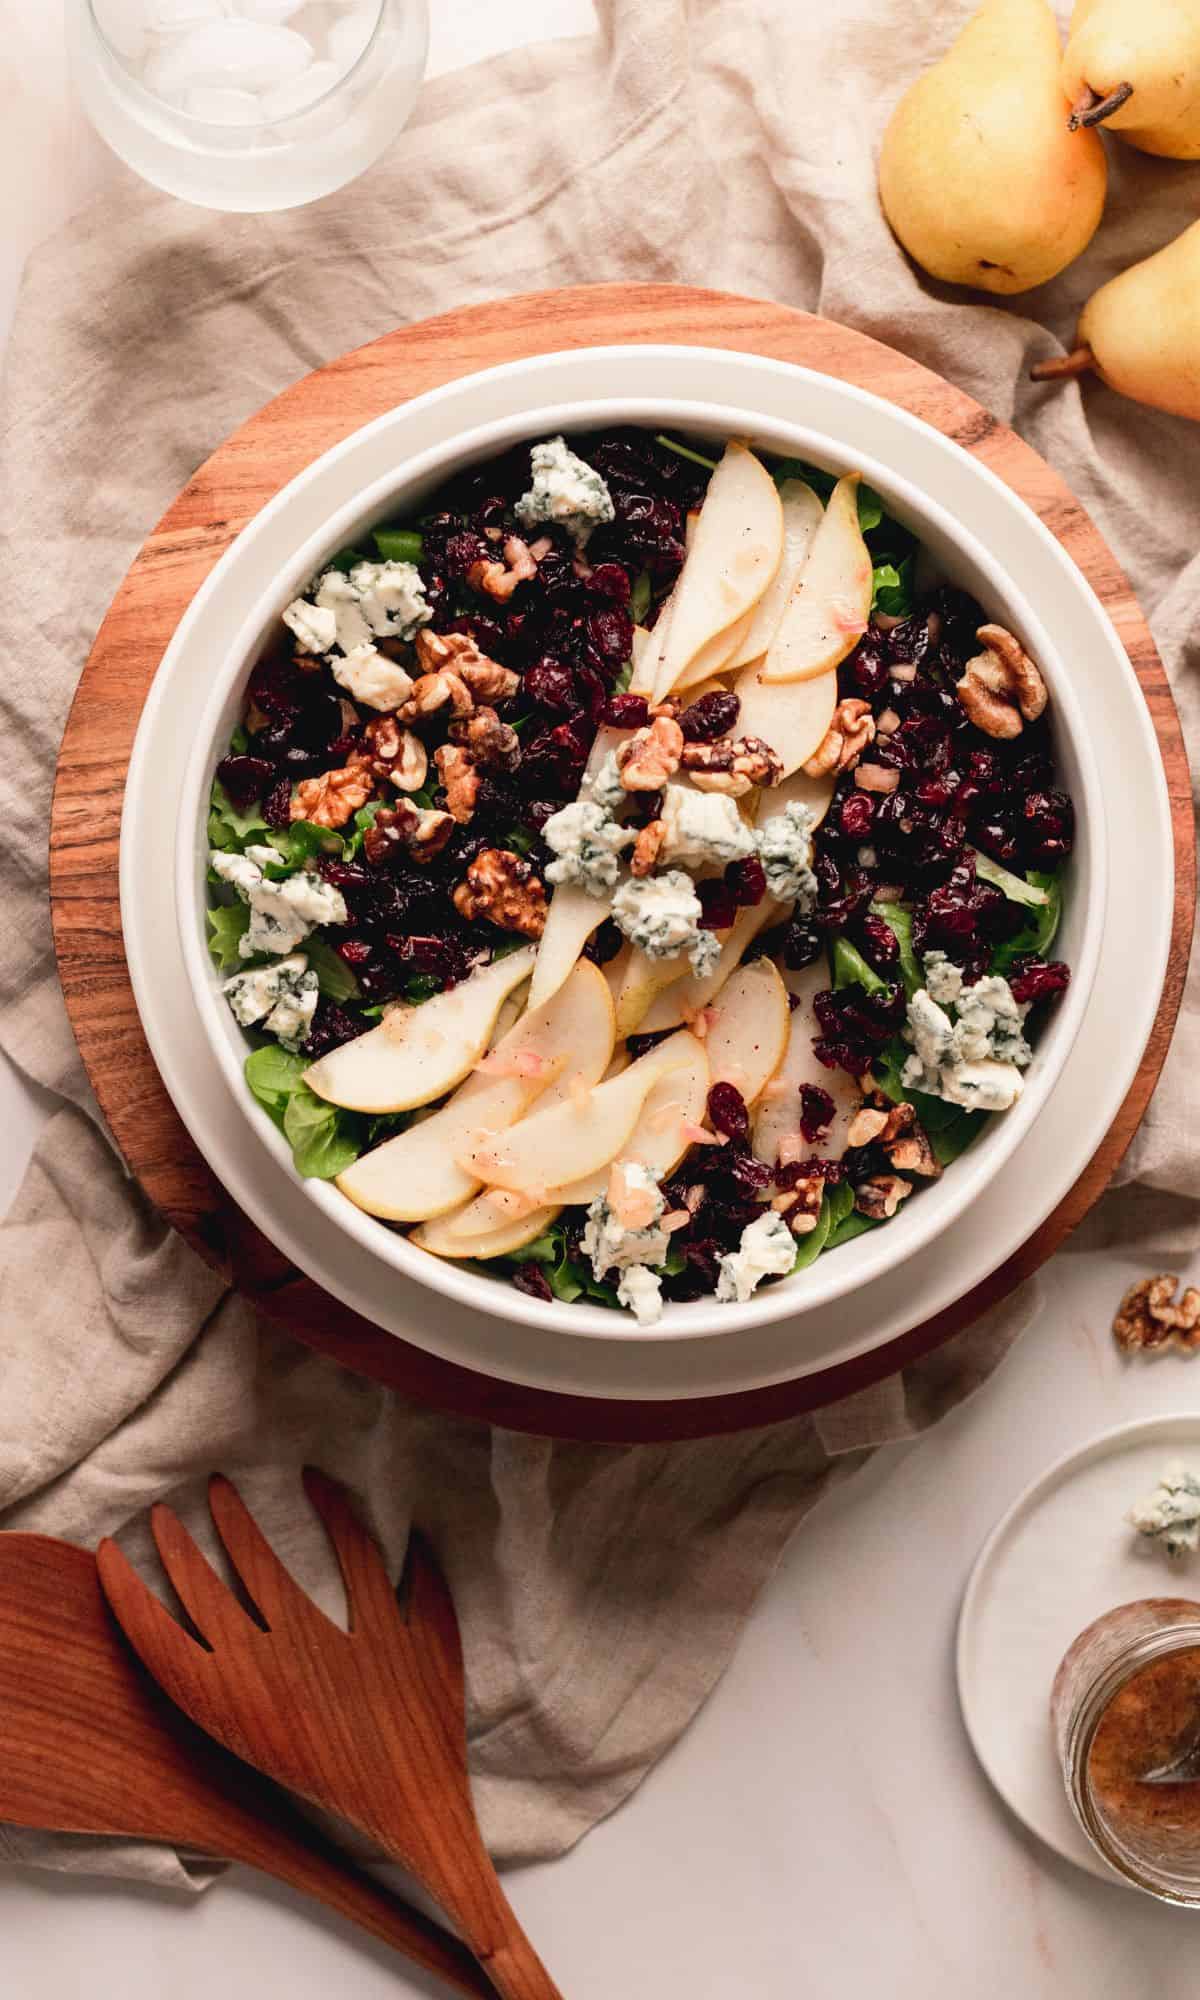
(222, 497)
(368, 1723)
(88, 1745)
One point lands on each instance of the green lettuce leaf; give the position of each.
(850, 968)
(640, 596)
(399, 544)
(1039, 930)
(229, 828)
(334, 976)
(892, 588)
(228, 924)
(899, 921)
(1016, 887)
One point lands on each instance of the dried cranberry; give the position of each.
(727, 1111)
(1034, 979)
(275, 688)
(245, 778)
(626, 711)
(464, 548)
(713, 715)
(802, 943)
(531, 1278)
(604, 943)
(354, 951)
(343, 874)
(866, 671)
(829, 1171)
(880, 945)
(816, 1112)
(855, 815)
(555, 757)
(608, 579)
(331, 1027)
(610, 635)
(910, 643)
(552, 685)
(747, 880)
(736, 1165)
(718, 905)
(277, 806)
(1048, 833)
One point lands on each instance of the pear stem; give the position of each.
(1063, 367)
(1091, 109)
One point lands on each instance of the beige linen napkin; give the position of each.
(601, 1590)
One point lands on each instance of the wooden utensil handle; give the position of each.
(517, 1973)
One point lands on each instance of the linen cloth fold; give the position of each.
(601, 1590)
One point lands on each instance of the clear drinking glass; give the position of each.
(248, 104)
(1125, 1710)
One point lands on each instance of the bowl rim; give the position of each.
(875, 1252)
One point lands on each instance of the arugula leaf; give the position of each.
(239, 742)
(1015, 887)
(899, 921)
(304, 840)
(228, 923)
(421, 986)
(334, 976)
(228, 826)
(640, 596)
(273, 1074)
(399, 544)
(1040, 928)
(850, 968)
(364, 819)
(685, 451)
(321, 1145)
(567, 1278)
(520, 840)
(345, 560)
(621, 683)
(809, 1248)
(956, 1134)
(892, 588)
(871, 513)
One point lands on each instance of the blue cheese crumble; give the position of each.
(1171, 1514)
(767, 1250)
(588, 843)
(566, 492)
(315, 626)
(785, 850)
(968, 1042)
(660, 915)
(369, 677)
(606, 787)
(702, 827)
(281, 913)
(614, 1245)
(640, 1292)
(282, 996)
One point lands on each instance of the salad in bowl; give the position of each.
(638, 874)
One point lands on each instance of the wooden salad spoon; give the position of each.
(89, 1745)
(369, 1723)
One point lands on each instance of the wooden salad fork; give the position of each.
(89, 1745)
(369, 1723)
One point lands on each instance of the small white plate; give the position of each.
(1061, 1556)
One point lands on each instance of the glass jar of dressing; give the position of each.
(1125, 1711)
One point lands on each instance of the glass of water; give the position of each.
(248, 104)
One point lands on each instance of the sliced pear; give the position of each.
(659, 1139)
(736, 552)
(800, 789)
(716, 656)
(748, 1029)
(777, 1115)
(417, 1054)
(688, 995)
(792, 716)
(614, 972)
(802, 511)
(499, 1239)
(830, 603)
(568, 1140)
(415, 1176)
(647, 659)
(644, 979)
(570, 920)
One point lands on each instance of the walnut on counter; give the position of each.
(1149, 1317)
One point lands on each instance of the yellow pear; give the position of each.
(979, 176)
(1140, 333)
(1134, 66)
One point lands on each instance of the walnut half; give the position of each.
(1149, 1318)
(505, 890)
(333, 798)
(850, 733)
(1001, 689)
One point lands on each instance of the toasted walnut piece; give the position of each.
(1148, 1317)
(866, 1127)
(335, 796)
(651, 755)
(433, 692)
(800, 1206)
(646, 847)
(456, 769)
(500, 579)
(1001, 689)
(421, 832)
(881, 1196)
(848, 735)
(488, 741)
(431, 833)
(911, 1153)
(399, 755)
(504, 889)
(876, 778)
(733, 765)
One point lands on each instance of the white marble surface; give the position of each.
(823, 1827)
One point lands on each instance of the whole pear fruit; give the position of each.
(979, 176)
(1134, 65)
(1140, 333)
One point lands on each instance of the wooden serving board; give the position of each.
(242, 475)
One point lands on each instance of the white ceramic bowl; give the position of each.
(957, 555)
